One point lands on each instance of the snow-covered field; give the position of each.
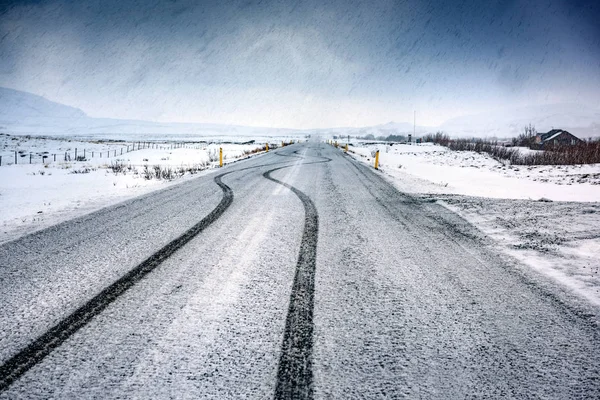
(473, 174)
(37, 195)
(548, 217)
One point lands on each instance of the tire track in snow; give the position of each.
(294, 375)
(36, 351)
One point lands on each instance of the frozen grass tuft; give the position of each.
(119, 167)
(85, 170)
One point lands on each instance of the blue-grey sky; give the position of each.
(301, 64)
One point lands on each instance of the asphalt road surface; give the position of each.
(297, 274)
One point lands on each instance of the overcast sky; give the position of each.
(301, 64)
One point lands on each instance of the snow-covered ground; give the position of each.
(37, 195)
(472, 174)
(548, 217)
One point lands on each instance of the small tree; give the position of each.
(527, 137)
(439, 137)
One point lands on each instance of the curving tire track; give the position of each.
(36, 351)
(294, 379)
(21, 362)
(294, 375)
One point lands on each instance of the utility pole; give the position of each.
(415, 123)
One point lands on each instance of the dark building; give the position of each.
(556, 137)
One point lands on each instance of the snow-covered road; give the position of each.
(298, 274)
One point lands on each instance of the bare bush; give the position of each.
(583, 153)
(196, 168)
(85, 170)
(213, 155)
(439, 137)
(256, 150)
(165, 173)
(147, 173)
(526, 138)
(118, 167)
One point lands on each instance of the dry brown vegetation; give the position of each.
(587, 152)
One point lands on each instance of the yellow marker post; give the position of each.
(220, 156)
(346, 148)
(267, 144)
(282, 143)
(377, 160)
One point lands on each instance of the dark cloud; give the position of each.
(223, 54)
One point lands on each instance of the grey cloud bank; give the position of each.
(302, 64)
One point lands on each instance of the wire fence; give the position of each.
(45, 157)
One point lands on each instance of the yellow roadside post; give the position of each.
(220, 156)
(377, 160)
(346, 148)
(267, 144)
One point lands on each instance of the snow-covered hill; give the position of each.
(26, 113)
(16, 106)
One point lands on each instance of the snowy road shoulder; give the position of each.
(547, 217)
(558, 239)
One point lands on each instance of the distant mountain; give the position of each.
(16, 105)
(26, 113)
(580, 120)
(390, 128)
